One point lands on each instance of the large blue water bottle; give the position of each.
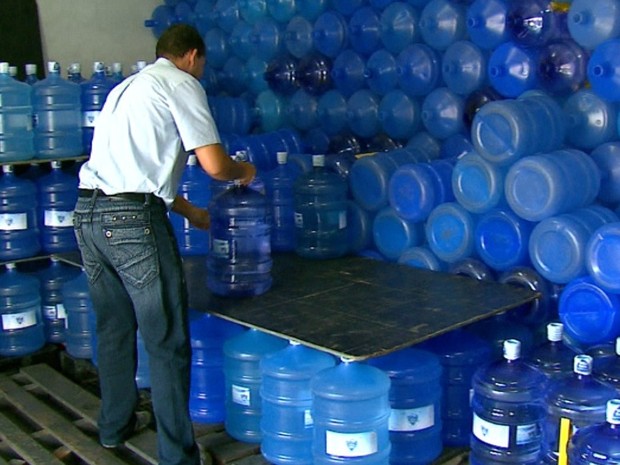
(74, 73)
(486, 23)
(415, 398)
(19, 232)
(604, 70)
(301, 110)
(282, 10)
(460, 353)
(591, 120)
(598, 444)
(381, 72)
(314, 74)
(398, 26)
(606, 156)
(330, 33)
(450, 232)
(351, 411)
(93, 94)
(57, 116)
(421, 256)
(21, 324)
(239, 261)
(442, 23)
(31, 73)
(553, 357)
(512, 69)
(281, 75)
(562, 67)
(52, 278)
(464, 67)
(242, 375)
(298, 36)
(443, 113)
(57, 194)
(207, 390)
(399, 115)
(225, 14)
(320, 212)
(364, 31)
(359, 226)
(363, 113)
(332, 111)
(572, 403)
(393, 234)
(279, 186)
(509, 411)
(592, 23)
(602, 253)
(473, 268)
(607, 369)
(16, 136)
(79, 337)
(418, 69)
(240, 40)
(287, 424)
(348, 72)
(195, 188)
(534, 313)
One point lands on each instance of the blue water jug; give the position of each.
(79, 337)
(590, 314)
(225, 15)
(562, 67)
(298, 36)
(314, 74)
(512, 69)
(607, 369)
(592, 23)
(450, 232)
(442, 23)
(604, 70)
(473, 268)
(93, 93)
(598, 442)
(216, 44)
(464, 67)
(553, 357)
(351, 411)
(269, 110)
(364, 31)
(573, 402)
(74, 73)
(57, 195)
(281, 75)
(591, 120)
(203, 18)
(418, 69)
(536, 312)
(415, 189)
(460, 353)
(332, 112)
(330, 33)
(16, 135)
(359, 227)
(456, 146)
(558, 244)
(499, 328)
(606, 157)
(242, 375)
(287, 423)
(415, 400)
(601, 256)
(393, 234)
(442, 113)
(255, 70)
(536, 22)
(279, 189)
(301, 110)
(233, 77)
(52, 278)
(486, 23)
(320, 212)
(398, 26)
(311, 9)
(423, 257)
(282, 10)
(21, 323)
(194, 187)
(162, 17)
(57, 116)
(508, 411)
(363, 113)
(239, 261)
(240, 40)
(31, 73)
(502, 239)
(399, 115)
(19, 232)
(348, 72)
(252, 11)
(207, 390)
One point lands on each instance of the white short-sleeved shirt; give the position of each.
(146, 127)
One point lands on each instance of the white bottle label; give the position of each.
(299, 220)
(58, 218)
(49, 312)
(414, 419)
(491, 433)
(61, 311)
(220, 248)
(89, 118)
(13, 221)
(527, 433)
(241, 395)
(19, 320)
(342, 220)
(350, 444)
(308, 420)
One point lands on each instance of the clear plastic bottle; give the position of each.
(598, 444)
(609, 371)
(94, 92)
(16, 134)
(553, 357)
(562, 67)
(534, 313)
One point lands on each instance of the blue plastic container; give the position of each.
(364, 31)
(21, 323)
(281, 75)
(279, 190)
(348, 72)
(607, 158)
(450, 232)
(443, 113)
(80, 338)
(351, 411)
(536, 22)
(298, 36)
(415, 397)
(314, 74)
(19, 232)
(591, 120)
(363, 113)
(242, 375)
(359, 227)
(311, 9)
(601, 256)
(423, 257)
(225, 14)
(592, 23)
(74, 73)
(507, 398)
(252, 10)
(553, 357)
(320, 200)
(239, 261)
(399, 115)
(604, 70)
(207, 390)
(216, 45)
(398, 26)
(269, 110)
(562, 67)
(534, 313)
(31, 73)
(240, 40)
(607, 370)
(473, 268)
(92, 97)
(590, 314)
(393, 234)
(442, 23)
(381, 72)
(415, 189)
(57, 116)
(57, 195)
(464, 67)
(282, 10)
(418, 69)
(460, 353)
(287, 424)
(162, 18)
(330, 33)
(598, 443)
(301, 110)
(572, 403)
(332, 112)
(512, 69)
(16, 135)
(486, 23)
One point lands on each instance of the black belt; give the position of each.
(127, 196)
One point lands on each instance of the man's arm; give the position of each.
(216, 162)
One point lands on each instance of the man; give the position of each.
(142, 135)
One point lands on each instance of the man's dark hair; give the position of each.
(179, 39)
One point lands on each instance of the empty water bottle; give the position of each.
(418, 69)
(393, 234)
(553, 357)
(472, 268)
(450, 232)
(534, 313)
(348, 72)
(31, 73)
(442, 23)
(592, 23)
(330, 33)
(608, 368)
(279, 189)
(398, 26)
(591, 120)
(80, 340)
(363, 113)
(93, 94)
(298, 36)
(486, 23)
(464, 67)
(536, 22)
(313, 72)
(604, 70)
(16, 135)
(399, 115)
(364, 31)
(281, 10)
(512, 69)
(598, 443)
(602, 253)
(74, 73)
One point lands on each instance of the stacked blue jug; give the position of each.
(553, 357)
(92, 96)
(279, 184)
(608, 368)
(79, 336)
(16, 135)
(598, 443)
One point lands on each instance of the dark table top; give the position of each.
(356, 307)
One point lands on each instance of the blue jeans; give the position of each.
(136, 279)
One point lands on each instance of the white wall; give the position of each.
(96, 30)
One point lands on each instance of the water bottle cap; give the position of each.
(7, 168)
(10, 266)
(282, 156)
(613, 412)
(12, 70)
(192, 160)
(56, 164)
(31, 68)
(512, 349)
(117, 67)
(4, 67)
(318, 160)
(555, 331)
(140, 65)
(293, 343)
(98, 66)
(240, 155)
(74, 68)
(582, 364)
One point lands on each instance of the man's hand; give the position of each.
(198, 217)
